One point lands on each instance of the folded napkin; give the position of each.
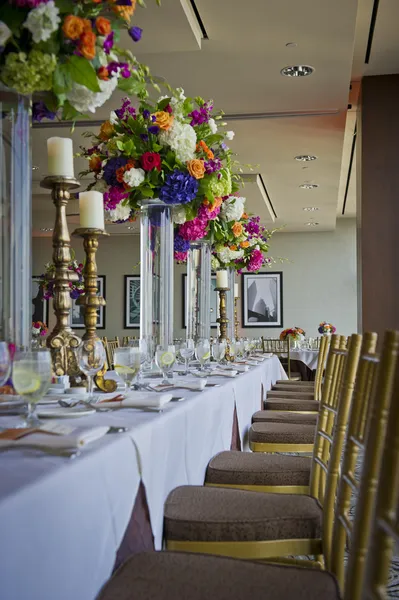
(193, 386)
(137, 400)
(52, 435)
(240, 367)
(223, 373)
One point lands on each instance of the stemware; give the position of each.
(5, 363)
(127, 362)
(91, 359)
(31, 376)
(165, 357)
(218, 351)
(186, 351)
(203, 352)
(142, 348)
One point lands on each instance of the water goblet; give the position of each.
(186, 351)
(31, 376)
(141, 346)
(203, 352)
(218, 351)
(91, 359)
(127, 364)
(165, 357)
(5, 363)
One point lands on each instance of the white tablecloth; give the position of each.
(309, 357)
(62, 521)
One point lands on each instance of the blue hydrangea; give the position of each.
(181, 245)
(179, 188)
(111, 167)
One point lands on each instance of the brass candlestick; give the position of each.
(62, 341)
(236, 323)
(222, 319)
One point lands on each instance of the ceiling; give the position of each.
(234, 53)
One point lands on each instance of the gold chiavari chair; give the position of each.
(127, 339)
(110, 346)
(244, 524)
(280, 348)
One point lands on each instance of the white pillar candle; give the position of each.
(222, 280)
(236, 290)
(60, 157)
(91, 209)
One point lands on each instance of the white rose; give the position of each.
(113, 119)
(43, 21)
(5, 33)
(120, 213)
(212, 125)
(179, 215)
(230, 135)
(232, 208)
(134, 177)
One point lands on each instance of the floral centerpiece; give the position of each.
(173, 151)
(39, 329)
(47, 280)
(69, 49)
(326, 328)
(294, 333)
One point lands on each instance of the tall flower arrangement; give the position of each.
(173, 150)
(69, 49)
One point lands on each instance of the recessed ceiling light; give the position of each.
(309, 186)
(34, 168)
(312, 224)
(291, 45)
(297, 71)
(305, 157)
(46, 229)
(310, 208)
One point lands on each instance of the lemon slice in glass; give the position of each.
(26, 382)
(167, 359)
(124, 370)
(206, 356)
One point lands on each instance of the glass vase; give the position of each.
(156, 275)
(15, 218)
(231, 274)
(198, 306)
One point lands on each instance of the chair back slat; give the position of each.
(321, 361)
(110, 346)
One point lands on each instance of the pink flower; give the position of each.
(256, 261)
(180, 257)
(206, 213)
(43, 332)
(193, 230)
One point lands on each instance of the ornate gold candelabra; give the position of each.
(223, 320)
(236, 322)
(62, 341)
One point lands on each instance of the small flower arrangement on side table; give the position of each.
(326, 328)
(294, 334)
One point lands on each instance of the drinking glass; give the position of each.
(91, 359)
(218, 351)
(141, 347)
(31, 377)
(186, 351)
(233, 349)
(165, 357)
(127, 364)
(5, 363)
(203, 352)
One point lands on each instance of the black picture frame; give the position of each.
(40, 306)
(131, 308)
(262, 291)
(214, 301)
(76, 316)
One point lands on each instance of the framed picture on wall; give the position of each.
(76, 317)
(40, 306)
(131, 317)
(214, 301)
(262, 295)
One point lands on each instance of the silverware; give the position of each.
(114, 429)
(63, 452)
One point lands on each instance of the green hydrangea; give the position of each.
(220, 187)
(29, 73)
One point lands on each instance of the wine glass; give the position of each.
(218, 351)
(91, 359)
(127, 364)
(186, 350)
(232, 349)
(203, 352)
(31, 377)
(5, 363)
(141, 347)
(165, 357)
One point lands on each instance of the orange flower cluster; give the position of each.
(106, 131)
(121, 171)
(244, 244)
(95, 164)
(202, 146)
(76, 28)
(233, 247)
(126, 12)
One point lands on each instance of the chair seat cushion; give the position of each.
(294, 404)
(183, 575)
(293, 382)
(212, 514)
(309, 387)
(255, 468)
(282, 433)
(290, 394)
(274, 416)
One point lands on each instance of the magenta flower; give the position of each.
(113, 197)
(193, 230)
(180, 257)
(256, 261)
(208, 213)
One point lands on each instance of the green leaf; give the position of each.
(62, 80)
(212, 139)
(147, 192)
(130, 85)
(129, 147)
(70, 113)
(163, 103)
(120, 145)
(82, 72)
(51, 46)
(13, 17)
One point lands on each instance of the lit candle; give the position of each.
(91, 209)
(222, 280)
(236, 290)
(60, 157)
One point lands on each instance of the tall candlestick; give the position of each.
(60, 157)
(236, 290)
(222, 280)
(91, 209)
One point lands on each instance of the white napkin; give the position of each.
(138, 400)
(223, 373)
(66, 437)
(241, 368)
(194, 386)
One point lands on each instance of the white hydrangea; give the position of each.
(232, 208)
(5, 33)
(84, 100)
(212, 125)
(182, 139)
(113, 119)
(253, 241)
(134, 177)
(230, 135)
(179, 214)
(120, 213)
(43, 21)
(225, 255)
(176, 103)
(215, 263)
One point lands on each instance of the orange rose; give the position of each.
(72, 27)
(103, 26)
(244, 216)
(244, 244)
(95, 163)
(233, 247)
(86, 25)
(120, 173)
(217, 202)
(103, 74)
(196, 168)
(210, 155)
(237, 229)
(106, 131)
(87, 45)
(126, 12)
(163, 119)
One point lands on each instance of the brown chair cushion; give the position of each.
(274, 416)
(294, 404)
(309, 387)
(256, 468)
(183, 576)
(212, 514)
(282, 433)
(290, 394)
(292, 382)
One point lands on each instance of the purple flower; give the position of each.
(74, 294)
(153, 129)
(179, 188)
(113, 197)
(212, 165)
(135, 33)
(40, 112)
(181, 245)
(146, 113)
(224, 146)
(28, 3)
(110, 170)
(123, 68)
(144, 137)
(252, 227)
(123, 2)
(108, 43)
(198, 117)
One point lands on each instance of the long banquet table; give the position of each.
(65, 524)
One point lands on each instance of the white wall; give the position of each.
(319, 284)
